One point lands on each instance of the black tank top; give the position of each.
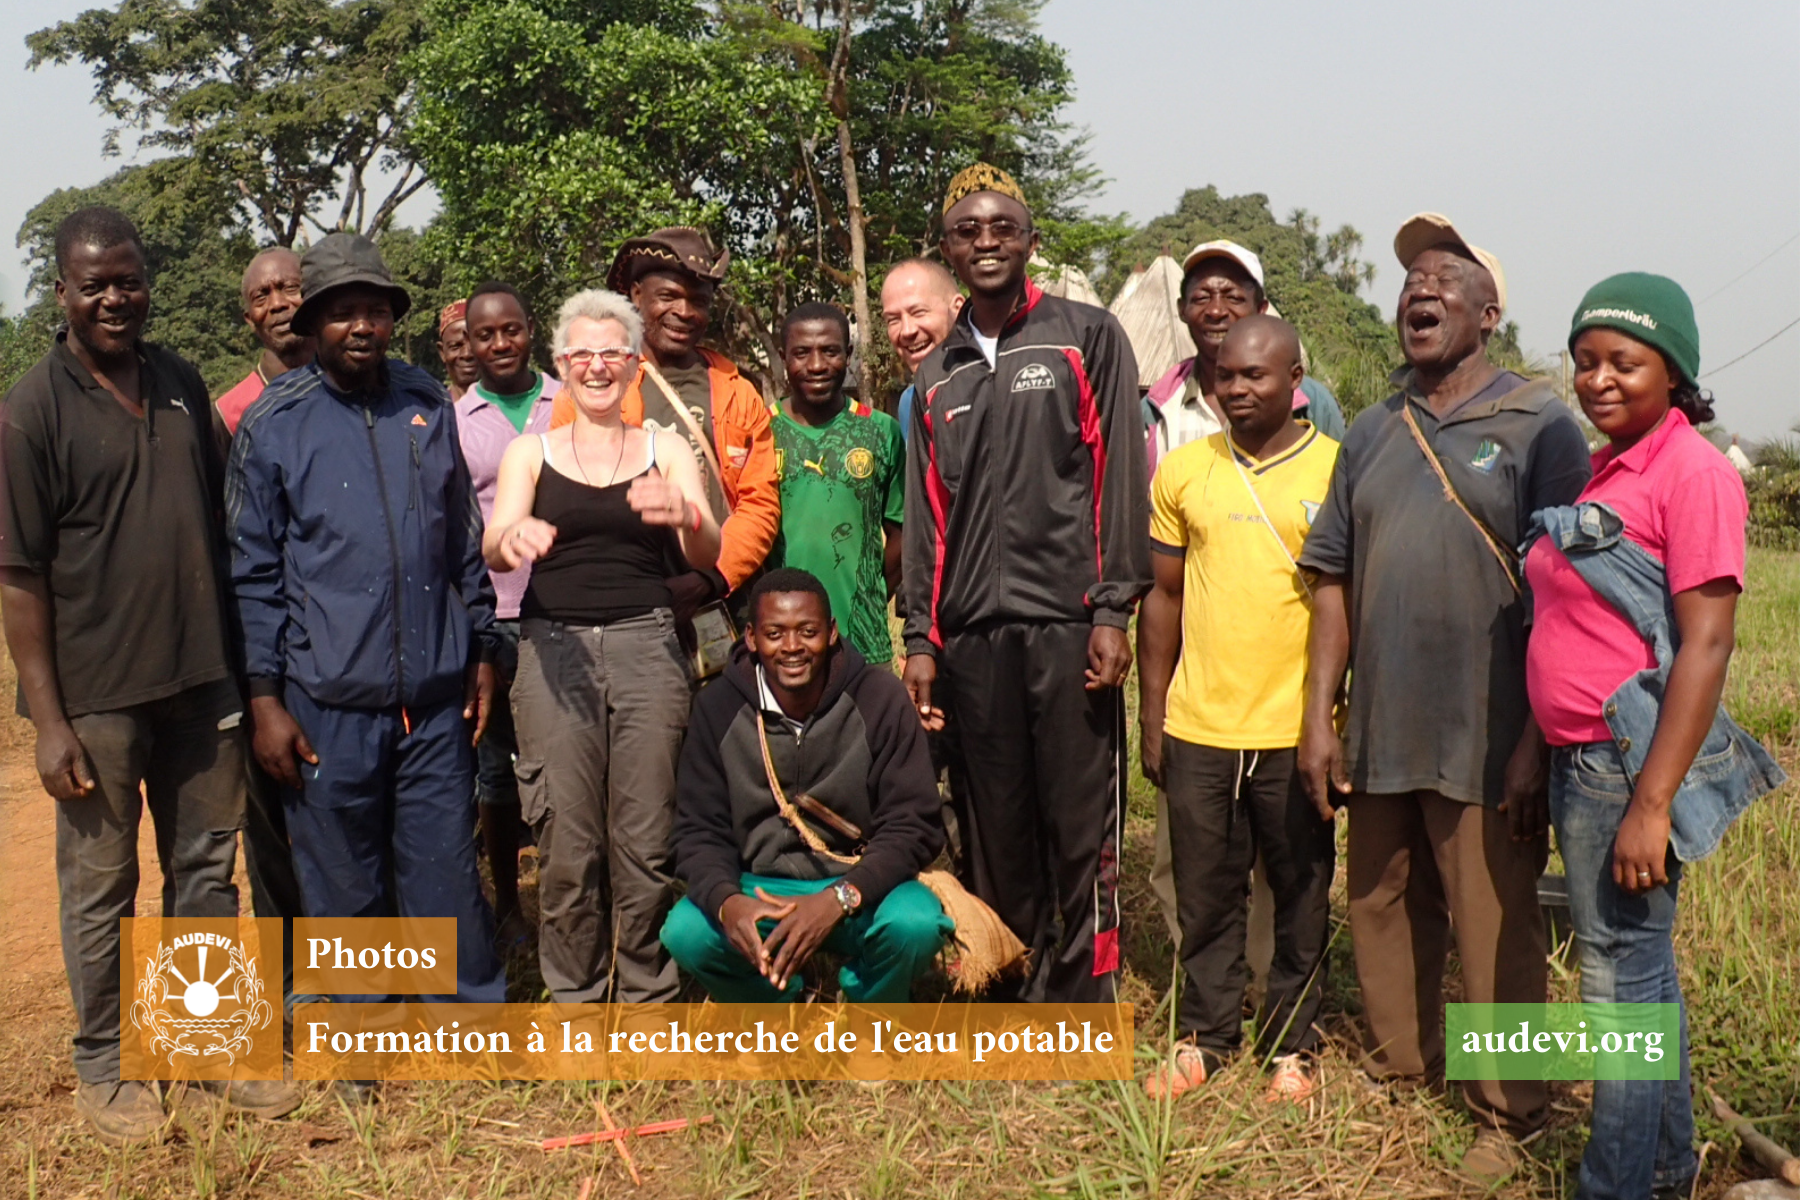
(606, 565)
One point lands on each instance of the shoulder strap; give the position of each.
(685, 417)
(544, 443)
(1250, 486)
(1504, 556)
(788, 813)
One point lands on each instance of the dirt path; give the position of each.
(31, 967)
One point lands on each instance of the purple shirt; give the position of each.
(485, 434)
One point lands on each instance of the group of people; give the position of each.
(342, 605)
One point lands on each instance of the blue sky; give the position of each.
(1572, 140)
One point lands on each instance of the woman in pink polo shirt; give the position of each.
(1634, 591)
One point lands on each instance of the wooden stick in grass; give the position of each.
(653, 1128)
(619, 1143)
(1762, 1148)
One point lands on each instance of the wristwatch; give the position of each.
(848, 897)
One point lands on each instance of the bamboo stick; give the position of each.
(1762, 1148)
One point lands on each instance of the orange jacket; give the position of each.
(745, 444)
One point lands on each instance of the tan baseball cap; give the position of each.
(1224, 249)
(1428, 229)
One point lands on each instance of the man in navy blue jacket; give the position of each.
(366, 612)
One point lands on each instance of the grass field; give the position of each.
(1739, 942)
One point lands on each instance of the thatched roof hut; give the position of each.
(1147, 306)
(1070, 283)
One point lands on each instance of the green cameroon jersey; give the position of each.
(839, 483)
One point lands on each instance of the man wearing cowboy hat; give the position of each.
(671, 277)
(367, 615)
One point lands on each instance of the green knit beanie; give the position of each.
(1651, 308)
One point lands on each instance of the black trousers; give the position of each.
(1224, 806)
(1042, 783)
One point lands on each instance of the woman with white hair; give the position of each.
(603, 512)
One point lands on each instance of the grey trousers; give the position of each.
(600, 713)
(187, 752)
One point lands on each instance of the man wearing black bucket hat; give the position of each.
(367, 614)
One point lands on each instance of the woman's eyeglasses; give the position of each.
(583, 356)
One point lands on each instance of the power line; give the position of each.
(1752, 350)
(1759, 262)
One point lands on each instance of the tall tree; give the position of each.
(296, 104)
(554, 130)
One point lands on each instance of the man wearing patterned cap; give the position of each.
(458, 356)
(1440, 762)
(671, 277)
(1026, 551)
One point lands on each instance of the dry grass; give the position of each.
(1739, 942)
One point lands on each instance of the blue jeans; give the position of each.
(495, 783)
(1642, 1134)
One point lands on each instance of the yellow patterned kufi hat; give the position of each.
(982, 177)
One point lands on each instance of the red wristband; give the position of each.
(699, 517)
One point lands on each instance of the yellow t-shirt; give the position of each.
(1241, 678)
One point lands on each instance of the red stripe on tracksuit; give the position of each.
(1089, 412)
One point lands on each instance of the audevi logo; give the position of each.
(1033, 377)
(196, 1012)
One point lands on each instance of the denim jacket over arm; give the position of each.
(1732, 769)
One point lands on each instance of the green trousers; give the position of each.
(883, 950)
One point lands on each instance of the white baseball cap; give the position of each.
(1225, 249)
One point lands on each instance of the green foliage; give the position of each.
(197, 251)
(553, 131)
(1774, 489)
(289, 103)
(1313, 280)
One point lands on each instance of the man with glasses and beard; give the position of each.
(1027, 549)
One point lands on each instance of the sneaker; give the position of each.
(1293, 1082)
(1187, 1068)
(1495, 1157)
(122, 1113)
(265, 1098)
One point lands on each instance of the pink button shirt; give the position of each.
(485, 433)
(1682, 501)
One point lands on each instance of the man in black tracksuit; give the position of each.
(852, 765)
(1027, 546)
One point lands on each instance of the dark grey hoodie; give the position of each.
(862, 754)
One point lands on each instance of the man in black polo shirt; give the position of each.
(1444, 767)
(110, 562)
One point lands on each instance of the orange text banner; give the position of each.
(375, 956)
(713, 1041)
